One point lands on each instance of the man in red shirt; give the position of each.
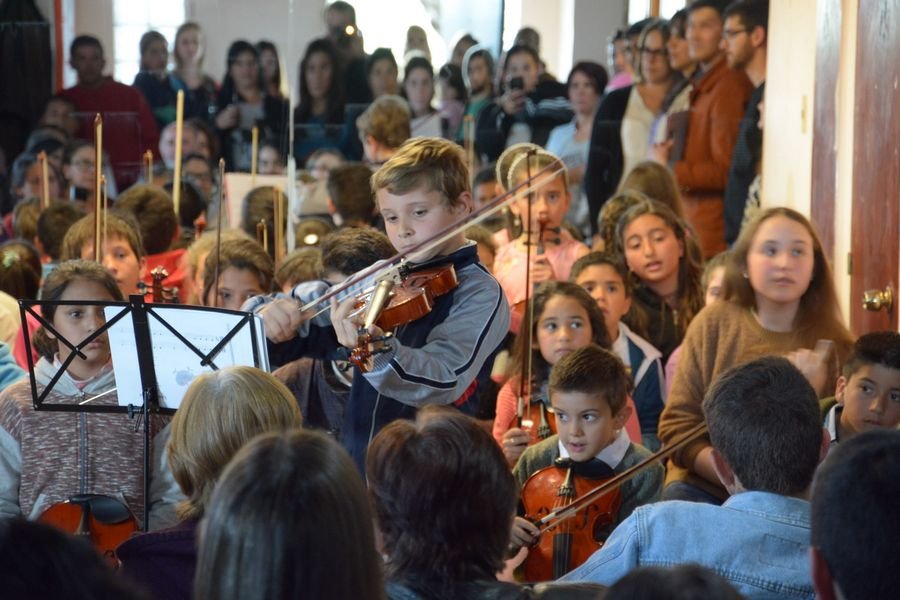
(128, 125)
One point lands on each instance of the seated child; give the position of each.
(606, 279)
(588, 393)
(194, 259)
(303, 264)
(244, 270)
(553, 251)
(350, 199)
(767, 440)
(270, 161)
(421, 191)
(321, 386)
(221, 411)
(258, 216)
(52, 226)
(47, 456)
(868, 391)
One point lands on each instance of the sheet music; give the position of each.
(175, 364)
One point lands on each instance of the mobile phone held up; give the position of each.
(516, 83)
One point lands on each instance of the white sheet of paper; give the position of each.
(175, 364)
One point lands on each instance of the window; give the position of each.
(641, 9)
(131, 20)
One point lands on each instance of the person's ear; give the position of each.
(622, 416)
(142, 263)
(723, 470)
(840, 389)
(758, 37)
(463, 205)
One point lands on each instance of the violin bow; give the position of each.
(391, 265)
(219, 229)
(550, 520)
(528, 316)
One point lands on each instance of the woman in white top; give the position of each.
(418, 88)
(571, 141)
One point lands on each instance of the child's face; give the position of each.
(82, 171)
(419, 215)
(714, 288)
(269, 161)
(479, 75)
(871, 399)
(75, 323)
(236, 286)
(605, 286)
(383, 78)
(585, 423)
(780, 261)
(550, 201)
(484, 193)
(652, 250)
(34, 183)
(419, 87)
(563, 327)
(120, 260)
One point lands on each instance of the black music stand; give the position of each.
(148, 325)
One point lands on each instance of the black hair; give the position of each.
(752, 13)
(876, 348)
(716, 5)
(349, 250)
(266, 45)
(335, 102)
(452, 75)
(595, 371)
(53, 224)
(380, 54)
(83, 41)
(593, 71)
(680, 582)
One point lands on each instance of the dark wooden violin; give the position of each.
(103, 520)
(574, 513)
(393, 304)
(158, 293)
(568, 543)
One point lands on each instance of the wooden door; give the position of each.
(875, 227)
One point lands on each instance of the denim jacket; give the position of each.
(756, 540)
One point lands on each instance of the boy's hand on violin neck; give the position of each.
(346, 327)
(281, 320)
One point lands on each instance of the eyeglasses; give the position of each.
(652, 53)
(729, 34)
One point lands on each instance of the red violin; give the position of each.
(103, 520)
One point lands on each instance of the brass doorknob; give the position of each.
(875, 300)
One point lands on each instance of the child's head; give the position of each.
(154, 212)
(657, 182)
(765, 427)
(487, 247)
(506, 160)
(382, 72)
(259, 206)
(605, 277)
(869, 385)
(52, 225)
(270, 160)
(303, 264)
(450, 83)
(418, 85)
(610, 213)
(659, 252)
(254, 542)
(778, 259)
(195, 259)
(564, 318)
(322, 161)
(484, 185)
(384, 126)
(27, 178)
(421, 190)
(461, 482)
(122, 253)
(220, 412)
(350, 194)
(549, 191)
(713, 280)
(77, 280)
(522, 62)
(588, 392)
(478, 70)
(348, 251)
(20, 269)
(245, 270)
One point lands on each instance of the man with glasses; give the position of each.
(717, 106)
(744, 39)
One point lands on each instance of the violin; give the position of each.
(103, 520)
(160, 294)
(569, 543)
(391, 305)
(578, 521)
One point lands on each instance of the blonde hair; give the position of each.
(387, 120)
(435, 163)
(221, 411)
(529, 164)
(205, 245)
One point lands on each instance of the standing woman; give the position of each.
(667, 265)
(321, 98)
(779, 299)
(570, 141)
(243, 103)
(418, 89)
(199, 88)
(154, 80)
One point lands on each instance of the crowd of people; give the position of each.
(625, 293)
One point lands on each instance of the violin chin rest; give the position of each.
(105, 509)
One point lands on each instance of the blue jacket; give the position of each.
(758, 541)
(434, 360)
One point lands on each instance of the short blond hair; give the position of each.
(220, 412)
(387, 120)
(434, 163)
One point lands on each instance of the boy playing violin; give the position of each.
(588, 392)
(420, 191)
